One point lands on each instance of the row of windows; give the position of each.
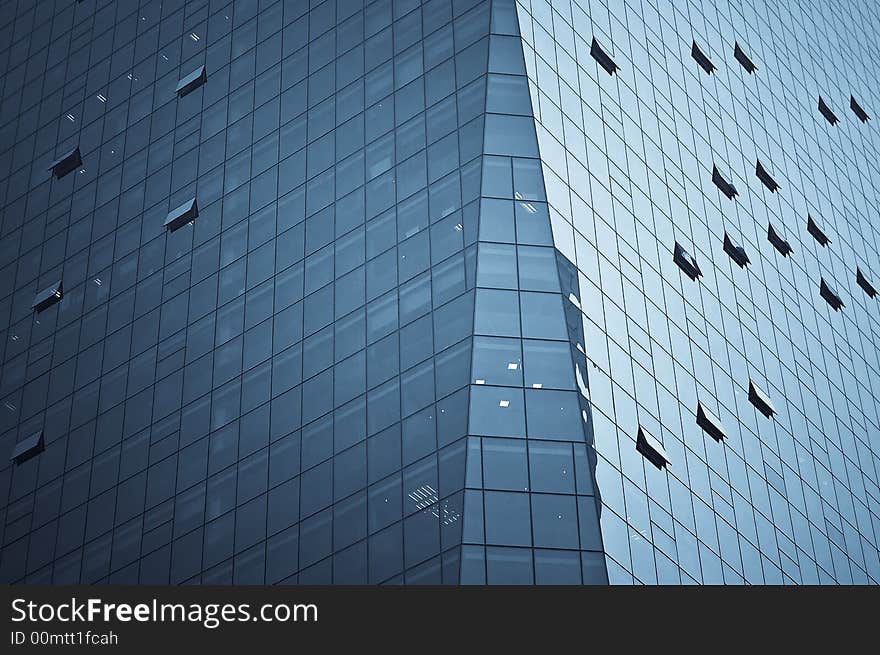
(563, 167)
(606, 62)
(688, 263)
(731, 188)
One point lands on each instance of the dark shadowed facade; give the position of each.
(456, 291)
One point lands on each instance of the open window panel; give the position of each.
(825, 110)
(182, 215)
(603, 58)
(814, 229)
(736, 252)
(723, 184)
(765, 177)
(48, 296)
(740, 55)
(863, 282)
(28, 447)
(192, 81)
(830, 295)
(710, 423)
(66, 163)
(774, 237)
(686, 262)
(652, 449)
(857, 110)
(761, 400)
(701, 58)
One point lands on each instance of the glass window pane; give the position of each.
(496, 412)
(504, 464)
(548, 365)
(508, 519)
(551, 467)
(497, 361)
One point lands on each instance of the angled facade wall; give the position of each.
(539, 292)
(677, 325)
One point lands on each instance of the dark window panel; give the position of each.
(192, 81)
(830, 295)
(817, 232)
(601, 56)
(857, 110)
(652, 449)
(761, 400)
(778, 241)
(28, 447)
(765, 177)
(710, 423)
(737, 253)
(66, 163)
(48, 296)
(826, 111)
(181, 215)
(743, 58)
(686, 262)
(863, 282)
(726, 187)
(701, 58)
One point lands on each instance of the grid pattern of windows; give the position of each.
(258, 369)
(438, 291)
(530, 512)
(639, 164)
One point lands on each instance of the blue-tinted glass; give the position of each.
(505, 465)
(508, 518)
(429, 294)
(509, 566)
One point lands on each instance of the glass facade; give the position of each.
(442, 292)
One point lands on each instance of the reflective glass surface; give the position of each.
(425, 297)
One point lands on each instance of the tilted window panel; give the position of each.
(182, 215)
(761, 400)
(66, 163)
(686, 262)
(701, 58)
(726, 187)
(28, 447)
(743, 59)
(601, 56)
(783, 246)
(857, 109)
(817, 232)
(825, 110)
(830, 295)
(710, 423)
(863, 282)
(652, 449)
(48, 296)
(192, 81)
(737, 253)
(765, 177)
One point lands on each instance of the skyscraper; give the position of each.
(456, 291)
